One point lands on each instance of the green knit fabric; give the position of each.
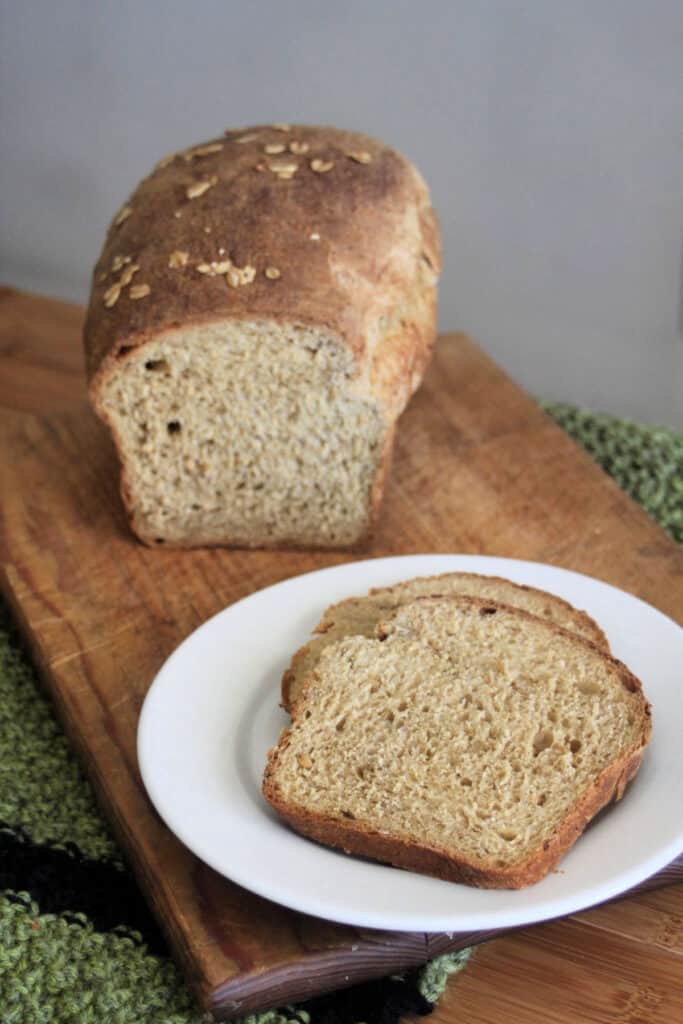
(646, 462)
(435, 974)
(42, 786)
(54, 971)
(58, 968)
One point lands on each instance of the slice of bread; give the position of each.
(468, 740)
(360, 615)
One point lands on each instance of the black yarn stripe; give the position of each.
(384, 1001)
(62, 880)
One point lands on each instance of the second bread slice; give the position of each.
(358, 616)
(469, 740)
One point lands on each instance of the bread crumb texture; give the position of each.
(247, 430)
(472, 731)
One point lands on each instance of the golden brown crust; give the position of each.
(364, 840)
(584, 624)
(347, 243)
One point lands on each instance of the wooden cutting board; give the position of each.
(478, 468)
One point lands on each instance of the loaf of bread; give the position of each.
(360, 615)
(468, 740)
(262, 311)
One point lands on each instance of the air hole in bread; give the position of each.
(542, 799)
(575, 746)
(466, 782)
(508, 834)
(487, 611)
(159, 540)
(587, 686)
(542, 740)
(340, 724)
(348, 814)
(123, 351)
(174, 427)
(156, 365)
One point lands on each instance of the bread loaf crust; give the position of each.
(346, 241)
(350, 244)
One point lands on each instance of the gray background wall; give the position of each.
(550, 132)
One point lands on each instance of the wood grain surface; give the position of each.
(478, 468)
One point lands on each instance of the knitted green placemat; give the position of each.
(646, 462)
(77, 943)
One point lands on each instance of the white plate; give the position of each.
(212, 713)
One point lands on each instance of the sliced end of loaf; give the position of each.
(473, 743)
(252, 433)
